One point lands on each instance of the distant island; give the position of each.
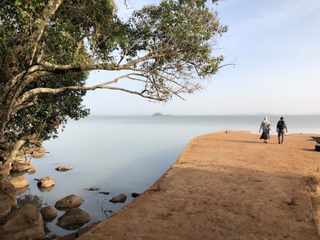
(157, 114)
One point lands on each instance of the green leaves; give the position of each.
(166, 48)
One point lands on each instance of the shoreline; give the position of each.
(211, 192)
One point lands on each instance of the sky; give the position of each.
(275, 46)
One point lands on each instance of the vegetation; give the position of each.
(48, 47)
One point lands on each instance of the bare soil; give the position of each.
(227, 186)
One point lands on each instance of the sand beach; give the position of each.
(227, 186)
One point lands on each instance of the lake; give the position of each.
(126, 154)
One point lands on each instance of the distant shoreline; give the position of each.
(205, 115)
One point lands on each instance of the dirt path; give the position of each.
(226, 186)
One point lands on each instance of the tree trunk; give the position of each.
(6, 111)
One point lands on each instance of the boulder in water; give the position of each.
(45, 182)
(19, 182)
(63, 168)
(119, 198)
(48, 213)
(71, 201)
(31, 170)
(92, 189)
(38, 152)
(73, 219)
(19, 165)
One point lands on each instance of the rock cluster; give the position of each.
(7, 198)
(24, 223)
(74, 216)
(18, 223)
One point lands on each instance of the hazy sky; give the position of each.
(276, 47)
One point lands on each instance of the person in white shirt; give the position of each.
(265, 127)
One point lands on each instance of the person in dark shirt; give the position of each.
(281, 128)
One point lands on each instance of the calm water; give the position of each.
(128, 154)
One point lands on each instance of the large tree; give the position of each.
(48, 47)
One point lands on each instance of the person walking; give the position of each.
(281, 128)
(266, 128)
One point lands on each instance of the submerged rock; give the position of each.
(24, 223)
(19, 182)
(45, 182)
(63, 168)
(119, 198)
(71, 201)
(105, 193)
(73, 219)
(48, 213)
(92, 189)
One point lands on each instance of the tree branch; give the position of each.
(24, 99)
(49, 11)
(100, 66)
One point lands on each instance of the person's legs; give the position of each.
(282, 133)
(279, 133)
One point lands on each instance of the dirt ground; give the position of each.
(227, 186)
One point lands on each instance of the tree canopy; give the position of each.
(48, 47)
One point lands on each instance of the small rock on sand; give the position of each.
(134, 195)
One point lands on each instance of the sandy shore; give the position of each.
(226, 186)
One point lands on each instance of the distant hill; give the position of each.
(157, 114)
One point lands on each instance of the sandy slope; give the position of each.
(225, 186)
